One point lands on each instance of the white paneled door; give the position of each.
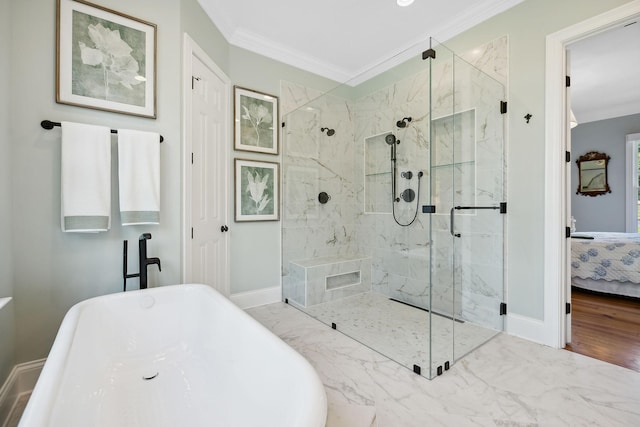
(206, 164)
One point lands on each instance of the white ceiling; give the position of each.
(353, 40)
(345, 39)
(605, 74)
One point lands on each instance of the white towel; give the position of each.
(139, 176)
(86, 178)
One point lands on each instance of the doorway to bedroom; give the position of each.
(602, 199)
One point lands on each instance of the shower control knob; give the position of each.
(323, 197)
(407, 174)
(224, 228)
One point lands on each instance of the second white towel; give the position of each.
(139, 176)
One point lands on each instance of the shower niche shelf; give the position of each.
(377, 173)
(454, 164)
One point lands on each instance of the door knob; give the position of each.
(224, 228)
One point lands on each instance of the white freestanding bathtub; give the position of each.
(178, 355)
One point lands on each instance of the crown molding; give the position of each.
(450, 29)
(246, 39)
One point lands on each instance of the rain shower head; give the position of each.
(403, 123)
(330, 132)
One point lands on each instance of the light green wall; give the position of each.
(256, 247)
(54, 270)
(197, 24)
(527, 26)
(6, 268)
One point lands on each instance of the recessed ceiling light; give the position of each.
(404, 3)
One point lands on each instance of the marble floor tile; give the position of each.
(506, 382)
(401, 332)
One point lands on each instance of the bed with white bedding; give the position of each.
(606, 262)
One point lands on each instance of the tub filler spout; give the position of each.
(143, 260)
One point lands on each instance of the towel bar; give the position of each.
(48, 124)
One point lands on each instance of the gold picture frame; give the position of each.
(592, 174)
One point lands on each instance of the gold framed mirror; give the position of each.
(592, 174)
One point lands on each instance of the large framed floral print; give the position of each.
(257, 190)
(256, 121)
(105, 60)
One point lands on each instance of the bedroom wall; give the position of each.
(605, 212)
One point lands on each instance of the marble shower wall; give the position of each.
(353, 166)
(315, 162)
(400, 255)
(468, 172)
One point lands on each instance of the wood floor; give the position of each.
(606, 327)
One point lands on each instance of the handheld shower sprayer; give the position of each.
(408, 195)
(403, 123)
(393, 142)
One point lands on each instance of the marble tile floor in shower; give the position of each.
(506, 382)
(401, 332)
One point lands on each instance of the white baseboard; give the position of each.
(22, 379)
(250, 299)
(529, 328)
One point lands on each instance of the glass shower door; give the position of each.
(480, 208)
(467, 178)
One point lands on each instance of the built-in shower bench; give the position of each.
(317, 280)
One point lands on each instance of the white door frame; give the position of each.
(631, 194)
(555, 143)
(191, 50)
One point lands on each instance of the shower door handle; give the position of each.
(502, 208)
(451, 222)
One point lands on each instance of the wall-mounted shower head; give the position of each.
(390, 139)
(330, 132)
(403, 123)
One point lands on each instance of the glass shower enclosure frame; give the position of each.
(394, 209)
